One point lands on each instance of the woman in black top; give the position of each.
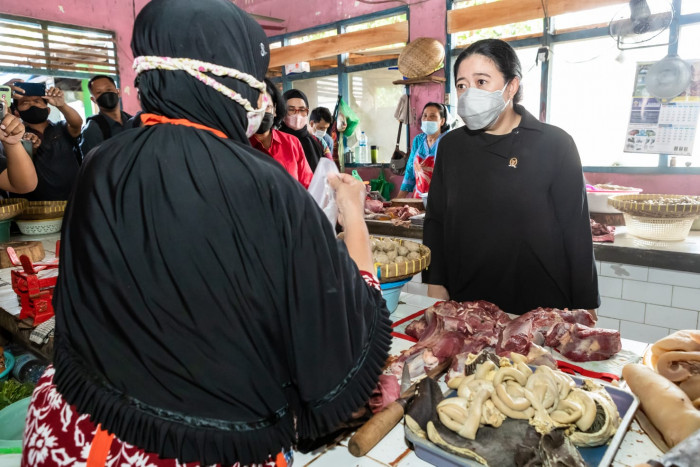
(205, 311)
(507, 218)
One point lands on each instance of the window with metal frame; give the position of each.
(353, 71)
(33, 46)
(584, 60)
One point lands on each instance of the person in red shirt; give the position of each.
(282, 147)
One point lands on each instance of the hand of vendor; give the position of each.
(438, 291)
(593, 314)
(350, 196)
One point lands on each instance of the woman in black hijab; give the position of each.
(296, 123)
(205, 311)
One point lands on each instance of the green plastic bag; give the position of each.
(351, 118)
(382, 185)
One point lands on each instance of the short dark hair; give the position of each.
(277, 101)
(96, 77)
(296, 94)
(443, 114)
(320, 113)
(502, 55)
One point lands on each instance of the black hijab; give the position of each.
(313, 148)
(204, 309)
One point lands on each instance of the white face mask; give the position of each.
(319, 134)
(197, 68)
(480, 109)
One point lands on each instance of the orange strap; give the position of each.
(153, 119)
(102, 443)
(280, 460)
(99, 449)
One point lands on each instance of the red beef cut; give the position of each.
(568, 331)
(584, 344)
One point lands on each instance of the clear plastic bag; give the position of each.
(321, 191)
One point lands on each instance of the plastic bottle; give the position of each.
(28, 367)
(363, 150)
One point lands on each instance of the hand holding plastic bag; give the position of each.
(321, 191)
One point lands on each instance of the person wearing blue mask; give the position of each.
(507, 218)
(419, 167)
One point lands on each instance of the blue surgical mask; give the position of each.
(429, 127)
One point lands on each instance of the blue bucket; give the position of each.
(391, 292)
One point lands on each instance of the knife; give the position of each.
(405, 379)
(377, 427)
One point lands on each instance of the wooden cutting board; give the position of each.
(35, 251)
(413, 202)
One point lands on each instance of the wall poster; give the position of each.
(663, 126)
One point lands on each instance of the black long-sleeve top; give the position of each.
(507, 219)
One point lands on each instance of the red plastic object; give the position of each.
(34, 285)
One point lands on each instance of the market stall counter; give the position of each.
(393, 450)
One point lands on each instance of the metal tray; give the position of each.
(601, 456)
(417, 219)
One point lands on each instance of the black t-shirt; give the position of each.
(55, 162)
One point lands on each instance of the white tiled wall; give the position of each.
(646, 304)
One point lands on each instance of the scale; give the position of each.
(34, 284)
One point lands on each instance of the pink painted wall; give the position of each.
(427, 20)
(309, 13)
(112, 15)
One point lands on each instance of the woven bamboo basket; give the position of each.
(648, 205)
(393, 272)
(11, 207)
(421, 57)
(38, 210)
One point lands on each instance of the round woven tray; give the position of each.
(393, 272)
(640, 205)
(11, 207)
(37, 210)
(421, 57)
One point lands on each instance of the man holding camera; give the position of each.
(54, 152)
(110, 121)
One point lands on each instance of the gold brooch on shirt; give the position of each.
(513, 162)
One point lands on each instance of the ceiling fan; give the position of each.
(271, 19)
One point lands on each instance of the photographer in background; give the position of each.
(111, 120)
(17, 172)
(54, 158)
